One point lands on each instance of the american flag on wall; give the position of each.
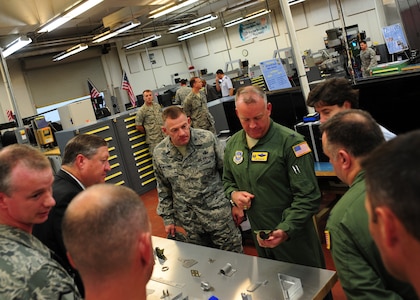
(127, 86)
(93, 91)
(10, 115)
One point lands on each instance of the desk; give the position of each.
(327, 180)
(324, 169)
(332, 188)
(177, 279)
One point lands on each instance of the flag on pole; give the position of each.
(93, 91)
(127, 86)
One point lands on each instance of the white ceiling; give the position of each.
(25, 17)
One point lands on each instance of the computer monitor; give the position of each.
(165, 99)
(240, 82)
(140, 100)
(40, 122)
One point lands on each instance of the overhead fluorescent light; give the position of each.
(166, 9)
(195, 33)
(192, 23)
(111, 33)
(247, 17)
(70, 51)
(243, 5)
(16, 45)
(142, 41)
(293, 2)
(69, 14)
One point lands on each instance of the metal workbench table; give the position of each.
(177, 279)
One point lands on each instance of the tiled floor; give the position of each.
(150, 200)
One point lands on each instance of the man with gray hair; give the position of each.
(107, 234)
(28, 270)
(85, 163)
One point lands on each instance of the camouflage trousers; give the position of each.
(213, 230)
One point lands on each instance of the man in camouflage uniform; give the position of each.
(149, 120)
(188, 165)
(182, 92)
(195, 106)
(27, 269)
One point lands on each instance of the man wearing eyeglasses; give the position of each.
(85, 163)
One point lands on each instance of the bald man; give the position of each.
(107, 234)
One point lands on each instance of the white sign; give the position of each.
(254, 29)
(274, 74)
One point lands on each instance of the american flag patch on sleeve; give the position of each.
(301, 149)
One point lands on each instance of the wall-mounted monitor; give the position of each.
(395, 39)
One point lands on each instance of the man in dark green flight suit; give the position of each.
(269, 172)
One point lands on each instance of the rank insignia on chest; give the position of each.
(238, 157)
(259, 156)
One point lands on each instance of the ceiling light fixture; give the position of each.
(192, 23)
(69, 14)
(70, 51)
(142, 41)
(247, 17)
(111, 33)
(195, 33)
(16, 45)
(293, 2)
(243, 5)
(166, 9)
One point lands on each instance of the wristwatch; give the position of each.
(230, 200)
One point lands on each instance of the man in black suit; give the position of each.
(85, 163)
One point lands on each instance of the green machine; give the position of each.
(389, 68)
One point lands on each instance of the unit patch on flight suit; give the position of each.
(259, 156)
(238, 157)
(301, 149)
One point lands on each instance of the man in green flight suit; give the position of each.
(269, 172)
(347, 139)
